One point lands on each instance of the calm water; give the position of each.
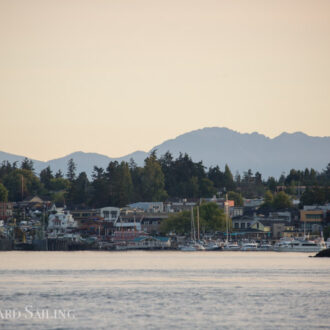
(153, 290)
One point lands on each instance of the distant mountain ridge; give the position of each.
(217, 146)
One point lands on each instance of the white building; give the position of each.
(110, 213)
(60, 222)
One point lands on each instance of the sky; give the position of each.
(116, 76)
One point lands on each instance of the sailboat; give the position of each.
(193, 245)
(229, 246)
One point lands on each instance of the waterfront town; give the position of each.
(167, 204)
(43, 226)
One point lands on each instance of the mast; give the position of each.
(227, 218)
(198, 236)
(193, 233)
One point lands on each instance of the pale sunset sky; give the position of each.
(116, 76)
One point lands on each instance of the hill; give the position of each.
(217, 146)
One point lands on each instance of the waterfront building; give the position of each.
(148, 207)
(312, 218)
(146, 243)
(151, 223)
(60, 223)
(110, 213)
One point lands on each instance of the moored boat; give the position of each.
(249, 246)
(300, 246)
(231, 246)
(192, 247)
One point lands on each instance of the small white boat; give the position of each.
(265, 247)
(250, 246)
(231, 246)
(212, 246)
(192, 247)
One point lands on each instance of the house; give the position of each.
(312, 219)
(79, 215)
(35, 203)
(253, 203)
(151, 223)
(180, 205)
(60, 223)
(110, 213)
(149, 207)
(250, 227)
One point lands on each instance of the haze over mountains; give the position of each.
(217, 146)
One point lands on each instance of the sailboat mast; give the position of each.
(193, 234)
(227, 218)
(198, 223)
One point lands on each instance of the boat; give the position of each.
(265, 247)
(302, 245)
(327, 243)
(212, 246)
(249, 246)
(231, 246)
(193, 245)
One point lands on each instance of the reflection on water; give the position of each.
(204, 290)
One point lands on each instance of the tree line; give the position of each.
(159, 179)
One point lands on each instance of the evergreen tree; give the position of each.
(58, 174)
(217, 177)
(228, 179)
(136, 175)
(153, 180)
(46, 176)
(100, 188)
(71, 173)
(79, 191)
(120, 183)
(271, 184)
(124, 185)
(27, 164)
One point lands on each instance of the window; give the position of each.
(243, 225)
(314, 216)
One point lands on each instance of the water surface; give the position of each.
(162, 290)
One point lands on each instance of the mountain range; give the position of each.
(216, 146)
